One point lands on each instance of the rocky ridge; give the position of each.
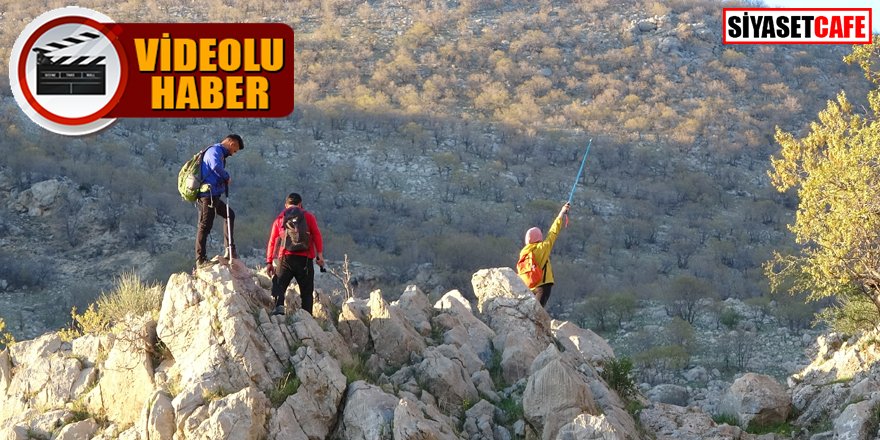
(213, 364)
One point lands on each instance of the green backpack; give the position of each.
(189, 179)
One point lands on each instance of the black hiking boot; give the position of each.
(279, 310)
(203, 263)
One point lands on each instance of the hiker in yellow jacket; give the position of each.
(540, 249)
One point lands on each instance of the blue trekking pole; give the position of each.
(580, 171)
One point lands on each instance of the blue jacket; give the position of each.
(214, 170)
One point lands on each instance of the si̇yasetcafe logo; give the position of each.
(74, 71)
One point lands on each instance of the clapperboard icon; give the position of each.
(70, 75)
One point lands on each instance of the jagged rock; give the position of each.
(446, 378)
(556, 393)
(673, 422)
(669, 393)
(521, 325)
(368, 413)
(404, 379)
(208, 324)
(697, 374)
(483, 382)
(857, 421)
(39, 198)
(312, 409)
(838, 358)
(43, 425)
(843, 371)
(127, 379)
(44, 381)
(322, 310)
(817, 402)
(415, 420)
(501, 433)
(611, 406)
(157, 418)
(129, 434)
(647, 26)
(88, 347)
(463, 328)
(86, 380)
(480, 421)
(864, 389)
(309, 333)
(5, 371)
(591, 346)
(241, 415)
(15, 433)
(669, 44)
(33, 351)
(82, 430)
(353, 320)
(395, 339)
(588, 427)
(756, 400)
(416, 308)
(280, 338)
(465, 355)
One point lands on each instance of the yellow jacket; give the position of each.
(541, 250)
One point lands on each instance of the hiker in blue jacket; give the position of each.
(215, 181)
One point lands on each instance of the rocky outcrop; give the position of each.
(838, 392)
(461, 327)
(521, 325)
(368, 413)
(669, 393)
(214, 364)
(556, 393)
(672, 422)
(40, 197)
(756, 400)
(590, 345)
(398, 339)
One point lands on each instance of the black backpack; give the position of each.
(296, 230)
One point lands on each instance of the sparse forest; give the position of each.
(437, 132)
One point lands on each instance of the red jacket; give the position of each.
(277, 233)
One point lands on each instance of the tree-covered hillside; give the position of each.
(439, 131)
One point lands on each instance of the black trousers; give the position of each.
(210, 207)
(542, 292)
(295, 267)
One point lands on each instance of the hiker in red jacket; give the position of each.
(295, 241)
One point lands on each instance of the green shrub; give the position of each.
(495, 371)
(667, 357)
(729, 318)
(130, 295)
(618, 375)
(357, 370)
(210, 395)
(633, 407)
(850, 315)
(6, 339)
(783, 428)
(285, 387)
(511, 408)
(728, 419)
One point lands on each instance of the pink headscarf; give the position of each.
(534, 235)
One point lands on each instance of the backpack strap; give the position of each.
(544, 271)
